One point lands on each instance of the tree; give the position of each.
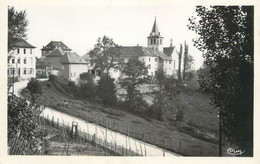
(17, 25)
(106, 55)
(23, 137)
(204, 78)
(187, 61)
(225, 36)
(87, 87)
(106, 90)
(136, 74)
(180, 58)
(35, 89)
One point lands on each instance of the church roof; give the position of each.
(72, 58)
(155, 31)
(55, 44)
(20, 43)
(57, 52)
(168, 50)
(138, 51)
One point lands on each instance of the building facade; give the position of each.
(72, 66)
(22, 60)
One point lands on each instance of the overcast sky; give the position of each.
(79, 25)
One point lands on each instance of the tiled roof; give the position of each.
(168, 50)
(57, 52)
(20, 43)
(55, 44)
(138, 51)
(72, 58)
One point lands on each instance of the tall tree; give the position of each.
(17, 25)
(187, 62)
(135, 73)
(106, 55)
(225, 36)
(180, 59)
(106, 90)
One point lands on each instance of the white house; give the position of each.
(22, 60)
(72, 66)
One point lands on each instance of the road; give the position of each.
(102, 133)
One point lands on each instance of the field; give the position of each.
(196, 135)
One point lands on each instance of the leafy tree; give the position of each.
(106, 90)
(17, 25)
(180, 59)
(204, 78)
(225, 36)
(106, 55)
(136, 74)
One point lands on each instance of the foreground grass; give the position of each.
(179, 137)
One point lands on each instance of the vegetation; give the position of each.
(106, 55)
(135, 73)
(180, 59)
(106, 90)
(23, 135)
(225, 36)
(87, 87)
(17, 25)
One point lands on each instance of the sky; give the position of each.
(79, 25)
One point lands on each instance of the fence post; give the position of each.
(52, 121)
(57, 122)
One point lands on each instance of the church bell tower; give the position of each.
(155, 40)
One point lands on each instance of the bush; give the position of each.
(34, 87)
(87, 90)
(106, 90)
(180, 115)
(52, 78)
(22, 126)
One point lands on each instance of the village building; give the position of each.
(54, 45)
(21, 60)
(72, 66)
(155, 56)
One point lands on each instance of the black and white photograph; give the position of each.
(133, 79)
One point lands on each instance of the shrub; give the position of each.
(106, 90)
(22, 126)
(87, 90)
(52, 78)
(180, 115)
(34, 87)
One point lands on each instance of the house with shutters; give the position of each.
(21, 60)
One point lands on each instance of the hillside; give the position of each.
(191, 137)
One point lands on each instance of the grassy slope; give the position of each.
(167, 133)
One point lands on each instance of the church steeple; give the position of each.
(155, 39)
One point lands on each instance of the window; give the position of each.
(170, 62)
(18, 60)
(154, 41)
(166, 61)
(31, 71)
(149, 66)
(149, 59)
(152, 73)
(30, 51)
(24, 61)
(155, 59)
(24, 51)
(160, 41)
(13, 72)
(151, 41)
(18, 51)
(24, 71)
(13, 60)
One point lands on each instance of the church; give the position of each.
(155, 55)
